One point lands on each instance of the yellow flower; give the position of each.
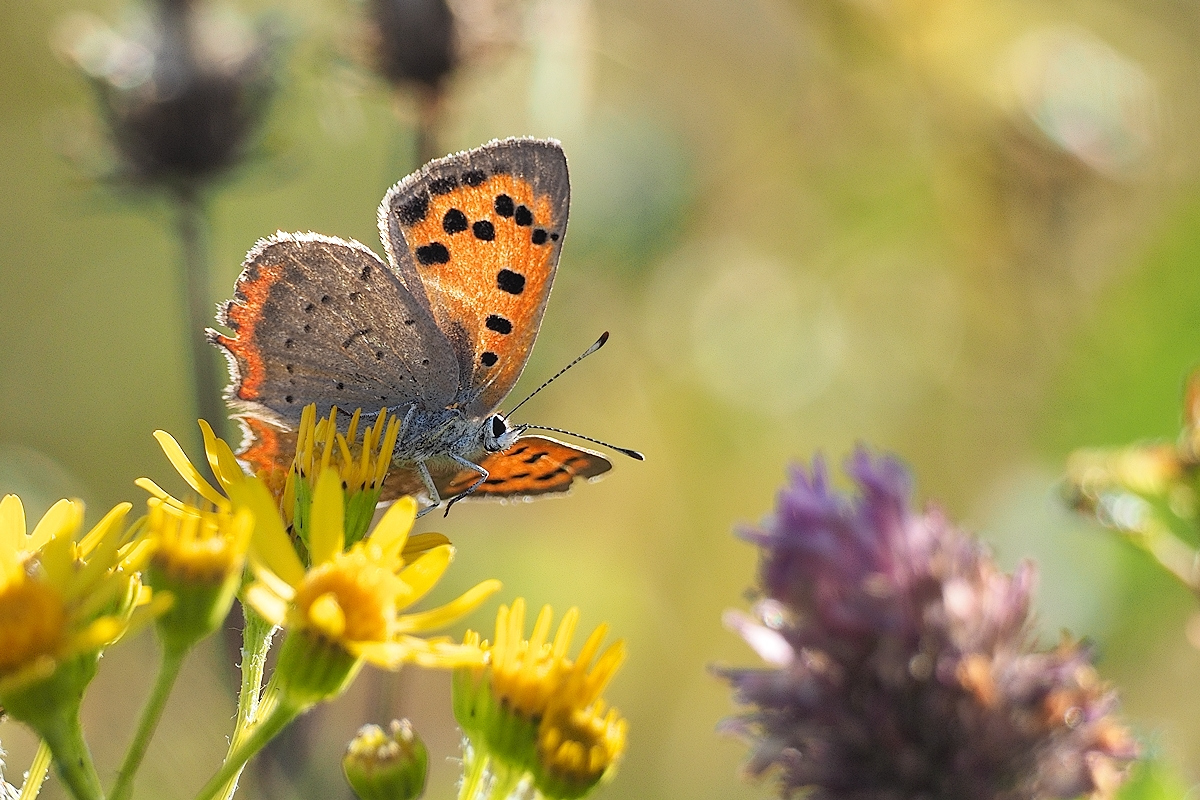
(362, 464)
(357, 456)
(352, 600)
(59, 597)
(198, 554)
(532, 709)
(61, 602)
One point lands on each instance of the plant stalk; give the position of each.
(168, 673)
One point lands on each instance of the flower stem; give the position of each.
(256, 643)
(278, 716)
(169, 671)
(474, 772)
(429, 108)
(37, 772)
(193, 241)
(72, 758)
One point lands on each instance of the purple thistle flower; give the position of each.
(901, 663)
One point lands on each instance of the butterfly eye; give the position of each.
(498, 427)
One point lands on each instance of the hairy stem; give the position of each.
(256, 643)
(277, 718)
(37, 772)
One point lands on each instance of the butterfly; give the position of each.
(438, 334)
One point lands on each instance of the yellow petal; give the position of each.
(566, 632)
(189, 473)
(449, 613)
(102, 529)
(412, 650)
(154, 489)
(326, 615)
(271, 581)
(58, 562)
(270, 545)
(65, 516)
(592, 645)
(221, 459)
(391, 534)
(421, 542)
(327, 526)
(605, 669)
(100, 546)
(12, 524)
(268, 604)
(100, 633)
(424, 573)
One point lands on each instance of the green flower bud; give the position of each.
(386, 765)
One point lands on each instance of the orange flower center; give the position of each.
(32, 621)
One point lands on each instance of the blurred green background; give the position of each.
(966, 231)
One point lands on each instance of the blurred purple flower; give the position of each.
(901, 664)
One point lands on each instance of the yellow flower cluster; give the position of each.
(534, 712)
(294, 545)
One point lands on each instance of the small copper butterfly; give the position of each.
(438, 334)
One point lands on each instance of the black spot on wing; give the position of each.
(443, 185)
(488, 358)
(509, 281)
(454, 221)
(413, 210)
(499, 324)
(484, 230)
(474, 177)
(504, 205)
(538, 237)
(523, 216)
(433, 253)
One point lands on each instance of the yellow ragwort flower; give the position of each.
(531, 708)
(358, 460)
(361, 462)
(353, 600)
(61, 602)
(60, 598)
(197, 553)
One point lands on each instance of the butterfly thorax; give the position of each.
(435, 435)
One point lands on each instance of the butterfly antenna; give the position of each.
(599, 343)
(634, 454)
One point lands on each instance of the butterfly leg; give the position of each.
(471, 465)
(404, 423)
(435, 499)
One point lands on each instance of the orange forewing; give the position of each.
(243, 316)
(467, 285)
(534, 465)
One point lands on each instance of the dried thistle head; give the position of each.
(900, 661)
(182, 89)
